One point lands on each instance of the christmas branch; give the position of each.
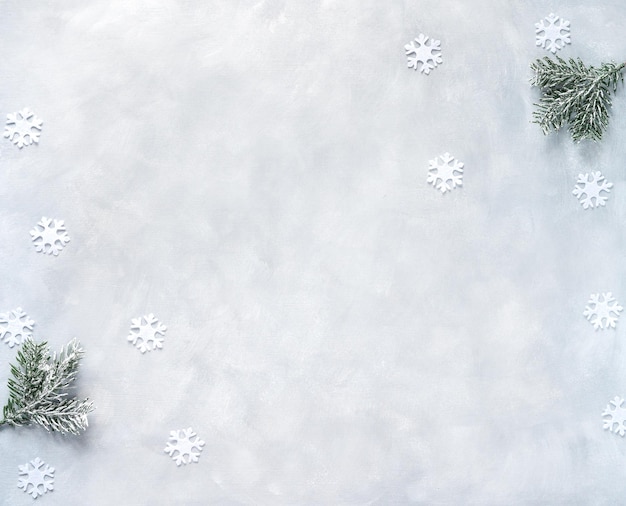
(38, 390)
(576, 94)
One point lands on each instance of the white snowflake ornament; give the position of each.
(422, 54)
(15, 326)
(146, 333)
(588, 188)
(602, 310)
(23, 128)
(49, 236)
(552, 33)
(38, 478)
(184, 446)
(445, 173)
(616, 413)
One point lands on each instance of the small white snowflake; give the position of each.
(15, 326)
(588, 188)
(445, 173)
(49, 236)
(146, 333)
(184, 446)
(617, 416)
(38, 478)
(602, 310)
(424, 56)
(552, 33)
(23, 128)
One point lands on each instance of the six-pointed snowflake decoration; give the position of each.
(602, 310)
(445, 173)
(422, 54)
(552, 33)
(23, 128)
(616, 414)
(15, 326)
(184, 446)
(588, 188)
(49, 236)
(38, 478)
(146, 333)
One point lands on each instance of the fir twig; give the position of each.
(576, 94)
(39, 387)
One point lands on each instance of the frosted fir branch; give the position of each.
(39, 389)
(574, 94)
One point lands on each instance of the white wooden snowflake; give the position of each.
(184, 446)
(445, 173)
(146, 333)
(592, 189)
(552, 33)
(616, 413)
(38, 478)
(15, 326)
(49, 236)
(23, 128)
(422, 54)
(602, 310)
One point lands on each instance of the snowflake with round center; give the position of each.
(23, 128)
(552, 33)
(38, 478)
(184, 446)
(445, 173)
(602, 310)
(146, 333)
(49, 236)
(15, 326)
(616, 414)
(424, 56)
(588, 188)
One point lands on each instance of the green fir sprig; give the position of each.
(576, 94)
(39, 389)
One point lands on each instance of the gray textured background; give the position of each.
(339, 332)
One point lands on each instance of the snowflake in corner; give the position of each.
(445, 173)
(146, 333)
(38, 478)
(424, 56)
(602, 310)
(184, 446)
(588, 188)
(49, 236)
(23, 128)
(15, 326)
(617, 416)
(552, 33)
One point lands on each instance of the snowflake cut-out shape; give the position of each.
(184, 446)
(552, 33)
(146, 333)
(424, 56)
(602, 310)
(15, 326)
(445, 173)
(49, 236)
(588, 188)
(616, 413)
(38, 478)
(23, 128)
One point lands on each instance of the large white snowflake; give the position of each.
(445, 173)
(38, 478)
(424, 56)
(15, 326)
(588, 188)
(602, 310)
(146, 333)
(49, 236)
(23, 128)
(184, 446)
(552, 33)
(616, 414)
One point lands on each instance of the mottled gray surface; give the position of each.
(339, 333)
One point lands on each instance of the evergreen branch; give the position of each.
(576, 94)
(39, 388)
